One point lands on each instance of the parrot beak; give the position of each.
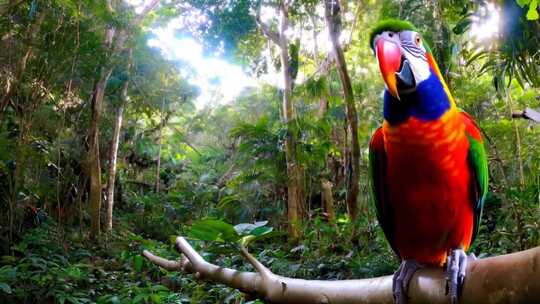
(389, 58)
(395, 68)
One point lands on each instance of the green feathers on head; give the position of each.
(392, 25)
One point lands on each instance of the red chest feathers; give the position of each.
(428, 183)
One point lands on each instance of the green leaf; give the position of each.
(532, 14)
(522, 3)
(246, 228)
(5, 288)
(7, 273)
(462, 26)
(264, 233)
(74, 272)
(156, 298)
(260, 231)
(157, 288)
(7, 259)
(138, 263)
(213, 230)
(140, 297)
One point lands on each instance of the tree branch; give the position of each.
(528, 113)
(271, 35)
(145, 11)
(511, 278)
(163, 263)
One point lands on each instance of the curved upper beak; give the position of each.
(395, 68)
(389, 57)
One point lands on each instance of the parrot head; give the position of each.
(404, 59)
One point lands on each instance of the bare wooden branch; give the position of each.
(273, 36)
(163, 263)
(510, 278)
(145, 11)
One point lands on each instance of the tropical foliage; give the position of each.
(220, 173)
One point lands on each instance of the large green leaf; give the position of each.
(213, 230)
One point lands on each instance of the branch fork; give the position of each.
(510, 278)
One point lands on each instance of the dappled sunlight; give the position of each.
(486, 23)
(296, 158)
(219, 81)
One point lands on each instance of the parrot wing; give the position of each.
(377, 172)
(478, 166)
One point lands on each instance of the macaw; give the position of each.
(428, 166)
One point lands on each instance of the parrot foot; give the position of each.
(456, 267)
(401, 279)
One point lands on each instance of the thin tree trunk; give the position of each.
(113, 154)
(333, 19)
(94, 163)
(14, 185)
(295, 193)
(59, 176)
(294, 181)
(114, 41)
(518, 142)
(81, 191)
(113, 150)
(160, 144)
(328, 201)
(323, 99)
(326, 186)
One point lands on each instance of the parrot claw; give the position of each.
(401, 280)
(456, 267)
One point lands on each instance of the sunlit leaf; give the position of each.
(522, 3)
(532, 14)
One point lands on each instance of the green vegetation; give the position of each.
(221, 174)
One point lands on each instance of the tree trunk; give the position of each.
(511, 278)
(94, 163)
(113, 153)
(333, 19)
(114, 41)
(295, 180)
(160, 144)
(323, 99)
(15, 182)
(295, 193)
(113, 150)
(328, 201)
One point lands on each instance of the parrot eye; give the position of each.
(417, 40)
(390, 34)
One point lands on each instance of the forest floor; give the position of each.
(52, 265)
